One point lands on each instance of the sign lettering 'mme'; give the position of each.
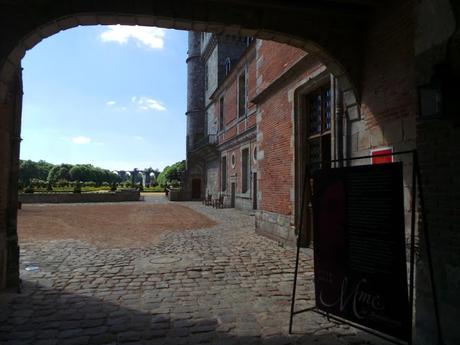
(359, 245)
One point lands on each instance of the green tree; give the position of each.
(44, 169)
(80, 173)
(28, 170)
(60, 172)
(170, 173)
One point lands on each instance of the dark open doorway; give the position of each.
(196, 189)
(233, 195)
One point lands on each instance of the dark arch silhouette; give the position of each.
(332, 30)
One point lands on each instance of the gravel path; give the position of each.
(107, 225)
(220, 285)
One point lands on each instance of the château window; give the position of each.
(319, 127)
(228, 66)
(245, 170)
(206, 76)
(223, 174)
(221, 113)
(242, 103)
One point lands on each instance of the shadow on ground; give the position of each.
(42, 315)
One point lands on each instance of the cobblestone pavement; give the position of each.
(222, 285)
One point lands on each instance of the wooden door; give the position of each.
(196, 189)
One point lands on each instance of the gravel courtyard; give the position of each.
(107, 225)
(217, 284)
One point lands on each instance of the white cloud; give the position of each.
(145, 104)
(80, 140)
(113, 105)
(142, 35)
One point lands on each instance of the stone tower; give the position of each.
(195, 112)
(195, 91)
(208, 54)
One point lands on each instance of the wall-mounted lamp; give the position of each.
(431, 95)
(430, 100)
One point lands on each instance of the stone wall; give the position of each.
(438, 144)
(212, 63)
(276, 226)
(212, 175)
(4, 176)
(59, 198)
(10, 123)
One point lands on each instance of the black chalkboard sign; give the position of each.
(359, 247)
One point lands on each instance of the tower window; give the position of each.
(228, 66)
(206, 76)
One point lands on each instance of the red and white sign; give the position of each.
(382, 155)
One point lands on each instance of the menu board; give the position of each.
(359, 247)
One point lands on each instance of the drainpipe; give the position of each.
(339, 121)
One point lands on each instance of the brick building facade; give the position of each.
(275, 111)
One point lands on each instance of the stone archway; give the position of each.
(369, 46)
(330, 32)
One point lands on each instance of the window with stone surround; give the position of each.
(223, 174)
(318, 106)
(313, 144)
(228, 66)
(206, 76)
(242, 94)
(245, 170)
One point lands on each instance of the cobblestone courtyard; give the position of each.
(219, 285)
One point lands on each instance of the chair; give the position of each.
(207, 200)
(219, 202)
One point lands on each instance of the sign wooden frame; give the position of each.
(416, 181)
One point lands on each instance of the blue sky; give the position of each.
(111, 96)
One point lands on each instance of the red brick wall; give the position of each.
(230, 104)
(233, 125)
(251, 84)
(276, 128)
(275, 169)
(273, 59)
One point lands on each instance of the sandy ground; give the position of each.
(107, 225)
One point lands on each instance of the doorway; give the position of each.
(196, 189)
(233, 195)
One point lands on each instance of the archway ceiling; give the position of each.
(331, 29)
